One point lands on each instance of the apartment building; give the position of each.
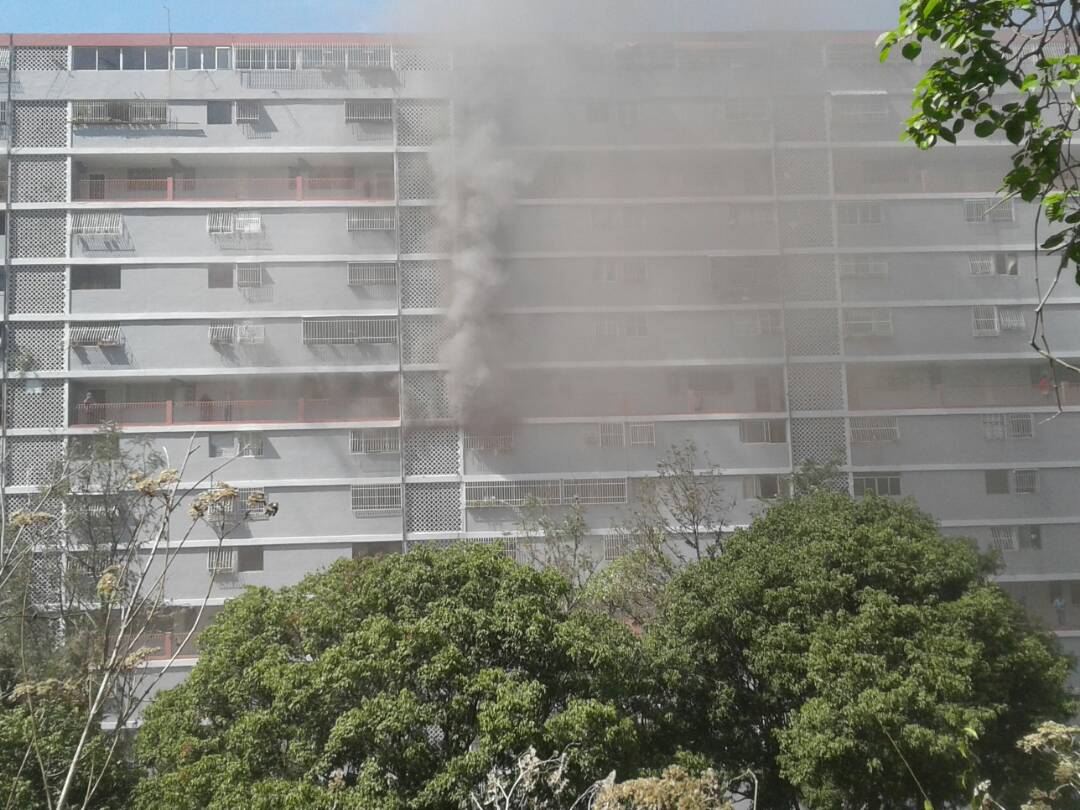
(237, 237)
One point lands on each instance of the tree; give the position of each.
(1005, 67)
(850, 655)
(395, 682)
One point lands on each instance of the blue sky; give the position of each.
(271, 16)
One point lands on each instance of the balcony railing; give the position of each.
(870, 397)
(369, 187)
(187, 412)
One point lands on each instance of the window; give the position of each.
(248, 112)
(589, 491)
(989, 320)
(373, 499)
(611, 434)
(876, 484)
(368, 110)
(250, 275)
(874, 429)
(764, 487)
(372, 274)
(250, 334)
(219, 112)
(1025, 482)
(84, 58)
(101, 335)
(370, 219)
(641, 434)
(859, 213)
(490, 442)
(222, 333)
(221, 560)
(989, 210)
(249, 558)
(219, 276)
(1030, 537)
(863, 266)
(342, 331)
(998, 426)
(616, 546)
(997, 482)
(221, 445)
(105, 277)
(1016, 482)
(248, 222)
(868, 323)
(98, 223)
(374, 441)
(226, 223)
(1003, 538)
(108, 58)
(636, 325)
(607, 327)
(763, 431)
(993, 264)
(594, 491)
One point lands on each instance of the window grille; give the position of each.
(368, 110)
(221, 222)
(863, 266)
(594, 491)
(859, 213)
(612, 434)
(371, 219)
(247, 112)
(135, 111)
(370, 499)
(1003, 538)
(372, 274)
(1011, 318)
(222, 333)
(989, 210)
(981, 264)
(250, 445)
(876, 484)
(341, 331)
(616, 546)
(641, 434)
(374, 441)
(329, 56)
(993, 264)
(868, 323)
(148, 112)
(763, 431)
(607, 327)
(250, 275)
(874, 429)
(636, 325)
(99, 335)
(1025, 482)
(984, 321)
(221, 445)
(765, 486)
(250, 334)
(221, 560)
(486, 494)
(489, 442)
(248, 504)
(999, 426)
(248, 222)
(97, 223)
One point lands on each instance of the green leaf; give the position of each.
(927, 805)
(1014, 130)
(984, 129)
(1054, 241)
(911, 50)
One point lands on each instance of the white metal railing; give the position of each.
(221, 560)
(998, 426)
(328, 56)
(97, 223)
(373, 274)
(223, 223)
(371, 219)
(989, 209)
(641, 434)
(144, 112)
(375, 498)
(222, 333)
(374, 441)
(103, 335)
(248, 112)
(1025, 482)
(489, 442)
(875, 322)
(549, 492)
(250, 275)
(369, 110)
(340, 331)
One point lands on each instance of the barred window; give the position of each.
(1011, 318)
(235, 445)
(480, 494)
(1012, 538)
(372, 274)
(135, 112)
(595, 491)
(489, 442)
(1003, 538)
(616, 546)
(222, 333)
(641, 434)
(868, 323)
(859, 213)
(998, 426)
(864, 266)
(368, 110)
(874, 429)
(103, 335)
(250, 275)
(250, 334)
(371, 219)
(343, 331)
(765, 487)
(1025, 482)
(876, 484)
(984, 321)
(97, 223)
(763, 431)
(370, 499)
(611, 434)
(248, 504)
(247, 112)
(374, 441)
(993, 264)
(989, 209)
(221, 560)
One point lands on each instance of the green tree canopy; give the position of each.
(391, 683)
(851, 656)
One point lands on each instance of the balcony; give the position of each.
(869, 398)
(368, 187)
(208, 411)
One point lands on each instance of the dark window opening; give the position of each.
(108, 58)
(219, 112)
(219, 277)
(95, 278)
(249, 558)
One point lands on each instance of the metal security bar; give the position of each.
(489, 442)
(221, 223)
(248, 504)
(374, 441)
(549, 492)
(989, 210)
(250, 275)
(221, 560)
(874, 429)
(373, 274)
(136, 112)
(999, 426)
(369, 110)
(371, 219)
(369, 499)
(641, 434)
(222, 333)
(248, 112)
(340, 331)
(328, 57)
(98, 335)
(97, 223)
(1025, 482)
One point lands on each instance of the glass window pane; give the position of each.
(157, 58)
(224, 58)
(108, 58)
(134, 59)
(85, 58)
(180, 58)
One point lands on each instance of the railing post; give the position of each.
(168, 412)
(169, 188)
(299, 187)
(300, 410)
